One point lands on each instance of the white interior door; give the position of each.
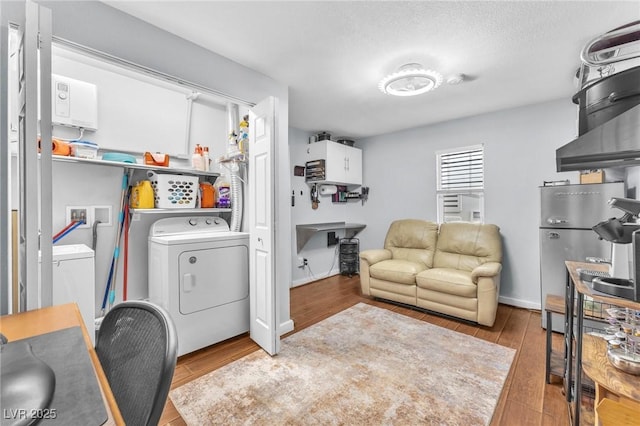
(32, 24)
(263, 327)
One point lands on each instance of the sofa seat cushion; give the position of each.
(397, 270)
(449, 281)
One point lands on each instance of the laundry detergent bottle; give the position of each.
(207, 195)
(142, 196)
(223, 192)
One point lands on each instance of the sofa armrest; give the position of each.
(489, 270)
(487, 278)
(488, 295)
(375, 256)
(368, 258)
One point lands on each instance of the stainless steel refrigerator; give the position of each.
(567, 214)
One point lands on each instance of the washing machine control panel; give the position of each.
(208, 221)
(183, 225)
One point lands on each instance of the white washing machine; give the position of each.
(199, 272)
(74, 281)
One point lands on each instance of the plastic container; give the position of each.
(84, 149)
(174, 191)
(206, 161)
(156, 159)
(142, 196)
(119, 157)
(207, 195)
(223, 190)
(197, 162)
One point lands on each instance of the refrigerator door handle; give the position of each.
(552, 221)
(592, 259)
(553, 235)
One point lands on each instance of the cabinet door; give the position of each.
(353, 160)
(336, 163)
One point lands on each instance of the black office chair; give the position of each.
(137, 346)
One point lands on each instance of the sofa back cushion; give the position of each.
(413, 240)
(463, 245)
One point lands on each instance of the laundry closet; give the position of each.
(160, 101)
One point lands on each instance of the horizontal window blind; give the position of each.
(461, 169)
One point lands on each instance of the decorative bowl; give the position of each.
(629, 363)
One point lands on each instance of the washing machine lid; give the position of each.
(192, 238)
(70, 252)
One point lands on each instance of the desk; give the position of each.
(54, 318)
(304, 232)
(576, 291)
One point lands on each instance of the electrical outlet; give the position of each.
(80, 213)
(301, 261)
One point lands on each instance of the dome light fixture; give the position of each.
(410, 80)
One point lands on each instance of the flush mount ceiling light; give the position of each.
(410, 80)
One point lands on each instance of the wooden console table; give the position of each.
(590, 351)
(611, 383)
(54, 318)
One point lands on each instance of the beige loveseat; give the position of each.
(453, 269)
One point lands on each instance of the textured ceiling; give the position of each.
(332, 54)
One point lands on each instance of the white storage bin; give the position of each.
(84, 149)
(174, 191)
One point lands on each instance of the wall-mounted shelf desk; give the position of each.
(305, 231)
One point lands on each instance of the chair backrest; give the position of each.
(412, 239)
(137, 346)
(464, 245)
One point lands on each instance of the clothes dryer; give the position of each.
(199, 272)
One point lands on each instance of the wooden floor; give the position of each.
(526, 398)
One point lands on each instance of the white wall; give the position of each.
(322, 260)
(139, 112)
(108, 30)
(520, 149)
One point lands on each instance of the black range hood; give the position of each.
(615, 143)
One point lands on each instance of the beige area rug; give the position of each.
(362, 366)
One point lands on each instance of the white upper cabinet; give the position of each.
(343, 164)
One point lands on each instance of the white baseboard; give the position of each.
(519, 303)
(307, 280)
(301, 281)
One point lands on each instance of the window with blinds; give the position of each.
(460, 184)
(461, 169)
